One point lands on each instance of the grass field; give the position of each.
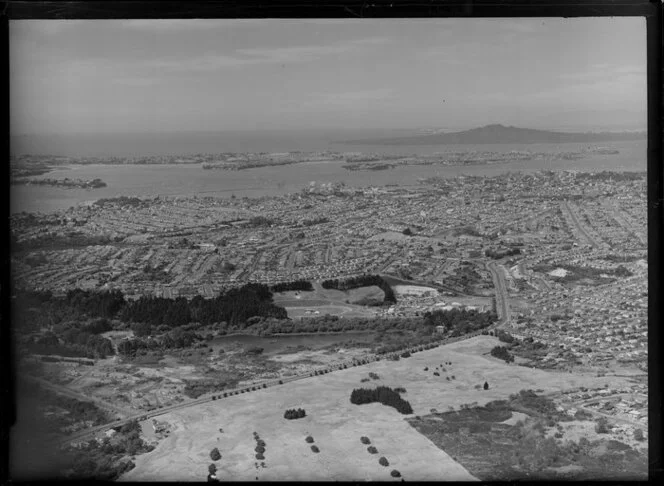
(328, 301)
(337, 425)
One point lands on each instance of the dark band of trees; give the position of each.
(383, 394)
(295, 285)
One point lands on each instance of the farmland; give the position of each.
(337, 425)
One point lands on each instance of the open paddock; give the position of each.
(312, 311)
(337, 425)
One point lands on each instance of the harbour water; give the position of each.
(191, 179)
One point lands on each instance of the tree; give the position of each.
(486, 385)
(309, 439)
(395, 473)
(383, 461)
(638, 435)
(602, 426)
(212, 468)
(215, 455)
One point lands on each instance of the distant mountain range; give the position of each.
(500, 134)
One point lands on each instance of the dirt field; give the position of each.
(337, 425)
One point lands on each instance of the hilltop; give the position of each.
(500, 134)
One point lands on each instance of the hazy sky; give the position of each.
(69, 76)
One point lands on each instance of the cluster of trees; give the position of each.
(295, 285)
(234, 307)
(176, 339)
(74, 343)
(498, 254)
(385, 395)
(460, 321)
(501, 352)
(95, 304)
(362, 281)
(505, 337)
(292, 413)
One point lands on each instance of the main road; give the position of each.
(565, 206)
(502, 302)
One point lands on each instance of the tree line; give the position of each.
(295, 285)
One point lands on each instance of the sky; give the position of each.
(118, 76)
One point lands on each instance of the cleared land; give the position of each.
(337, 425)
(329, 301)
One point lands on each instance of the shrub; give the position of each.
(315, 449)
(501, 352)
(309, 439)
(400, 389)
(372, 450)
(395, 473)
(215, 455)
(264, 385)
(374, 376)
(281, 382)
(383, 462)
(406, 355)
(435, 373)
(602, 426)
(486, 385)
(291, 414)
(365, 440)
(638, 434)
(426, 369)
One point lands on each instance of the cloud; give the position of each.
(265, 55)
(603, 72)
(347, 99)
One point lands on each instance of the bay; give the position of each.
(192, 179)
